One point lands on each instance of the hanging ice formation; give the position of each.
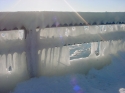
(37, 43)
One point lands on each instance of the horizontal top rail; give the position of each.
(46, 19)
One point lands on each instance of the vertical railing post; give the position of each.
(31, 50)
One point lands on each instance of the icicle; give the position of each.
(15, 60)
(23, 62)
(101, 48)
(56, 56)
(3, 64)
(94, 46)
(9, 63)
(60, 53)
(65, 56)
(48, 59)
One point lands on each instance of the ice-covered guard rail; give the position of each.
(45, 50)
(50, 45)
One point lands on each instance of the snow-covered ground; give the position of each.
(110, 79)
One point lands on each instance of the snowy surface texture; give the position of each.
(30, 20)
(110, 79)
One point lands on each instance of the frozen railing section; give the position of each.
(96, 49)
(106, 50)
(107, 47)
(103, 48)
(63, 36)
(11, 41)
(11, 35)
(13, 69)
(51, 60)
(43, 19)
(105, 40)
(13, 61)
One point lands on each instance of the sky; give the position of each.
(63, 5)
